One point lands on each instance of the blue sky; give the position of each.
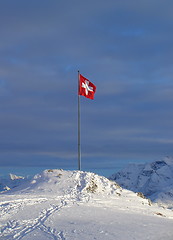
(123, 47)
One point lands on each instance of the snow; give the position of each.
(11, 181)
(14, 177)
(154, 180)
(77, 205)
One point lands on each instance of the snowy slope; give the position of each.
(77, 205)
(154, 180)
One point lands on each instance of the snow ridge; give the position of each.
(72, 184)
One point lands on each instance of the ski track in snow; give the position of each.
(9, 207)
(18, 229)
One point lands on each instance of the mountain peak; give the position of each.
(154, 180)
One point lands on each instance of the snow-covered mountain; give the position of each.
(154, 180)
(75, 205)
(11, 181)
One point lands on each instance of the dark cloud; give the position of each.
(124, 47)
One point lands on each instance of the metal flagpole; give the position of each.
(79, 144)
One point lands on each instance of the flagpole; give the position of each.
(79, 144)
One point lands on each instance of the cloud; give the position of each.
(124, 47)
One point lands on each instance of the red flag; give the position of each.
(86, 88)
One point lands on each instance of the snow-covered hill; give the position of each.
(75, 205)
(154, 180)
(72, 184)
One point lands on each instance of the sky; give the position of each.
(123, 47)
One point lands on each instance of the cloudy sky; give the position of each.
(123, 47)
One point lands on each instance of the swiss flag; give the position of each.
(86, 88)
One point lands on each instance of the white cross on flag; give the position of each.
(86, 88)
